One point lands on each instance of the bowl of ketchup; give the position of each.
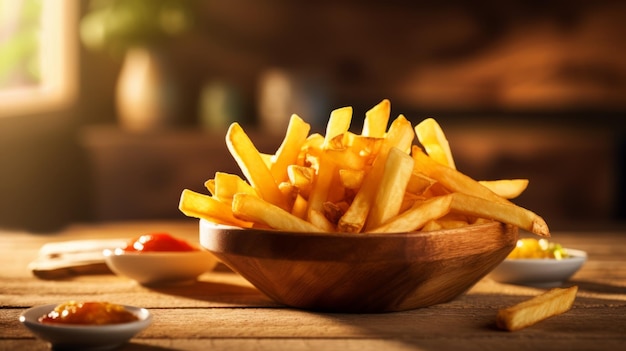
(85, 325)
(159, 258)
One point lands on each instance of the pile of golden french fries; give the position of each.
(376, 181)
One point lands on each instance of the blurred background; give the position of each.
(108, 109)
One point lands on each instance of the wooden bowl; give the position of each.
(361, 273)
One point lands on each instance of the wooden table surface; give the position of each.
(222, 311)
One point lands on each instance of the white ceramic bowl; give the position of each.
(84, 337)
(539, 272)
(150, 268)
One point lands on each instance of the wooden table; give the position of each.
(222, 311)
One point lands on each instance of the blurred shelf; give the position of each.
(141, 175)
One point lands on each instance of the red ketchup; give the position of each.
(158, 242)
(88, 313)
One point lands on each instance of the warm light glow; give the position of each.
(58, 64)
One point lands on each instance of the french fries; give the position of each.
(507, 188)
(434, 141)
(252, 165)
(393, 183)
(287, 153)
(375, 181)
(527, 313)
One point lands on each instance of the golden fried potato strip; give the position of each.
(527, 313)
(254, 209)
(507, 188)
(417, 216)
(198, 205)
(434, 141)
(253, 167)
(376, 120)
(338, 124)
(287, 153)
(496, 207)
(451, 178)
(391, 188)
(501, 212)
(226, 185)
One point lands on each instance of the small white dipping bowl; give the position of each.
(539, 272)
(84, 337)
(151, 268)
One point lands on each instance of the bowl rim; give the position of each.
(361, 235)
(297, 246)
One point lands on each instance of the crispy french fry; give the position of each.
(376, 120)
(321, 186)
(350, 178)
(333, 211)
(302, 178)
(419, 183)
(227, 185)
(287, 153)
(252, 165)
(507, 188)
(254, 209)
(417, 216)
(290, 192)
(391, 188)
(432, 226)
(433, 139)
(320, 220)
(410, 200)
(499, 211)
(198, 205)
(299, 207)
(538, 308)
(347, 158)
(310, 151)
(338, 123)
(210, 186)
(451, 178)
(461, 183)
(267, 159)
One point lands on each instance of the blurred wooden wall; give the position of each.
(553, 65)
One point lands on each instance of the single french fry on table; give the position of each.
(538, 308)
